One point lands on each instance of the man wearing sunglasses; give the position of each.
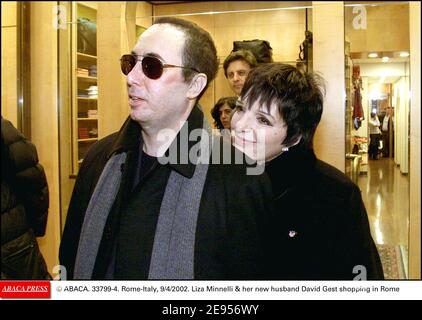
(133, 217)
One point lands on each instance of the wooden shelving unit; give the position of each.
(84, 86)
(86, 140)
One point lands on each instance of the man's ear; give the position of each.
(196, 86)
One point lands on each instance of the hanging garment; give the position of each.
(357, 108)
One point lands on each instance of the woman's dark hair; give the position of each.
(215, 111)
(298, 97)
(199, 51)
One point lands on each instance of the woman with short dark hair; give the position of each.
(319, 228)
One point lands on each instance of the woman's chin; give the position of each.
(250, 151)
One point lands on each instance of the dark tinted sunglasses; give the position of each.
(152, 67)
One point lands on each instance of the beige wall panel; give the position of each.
(9, 106)
(388, 12)
(271, 4)
(284, 29)
(9, 94)
(389, 39)
(205, 21)
(415, 142)
(129, 15)
(385, 28)
(218, 6)
(143, 14)
(284, 38)
(44, 116)
(65, 118)
(8, 13)
(222, 88)
(260, 18)
(112, 42)
(89, 4)
(183, 8)
(328, 55)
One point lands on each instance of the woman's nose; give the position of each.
(242, 124)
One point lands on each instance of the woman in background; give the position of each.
(222, 112)
(319, 227)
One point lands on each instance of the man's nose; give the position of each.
(135, 75)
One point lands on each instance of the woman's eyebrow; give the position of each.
(266, 113)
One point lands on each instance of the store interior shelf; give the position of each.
(85, 88)
(87, 140)
(86, 57)
(88, 119)
(88, 99)
(90, 79)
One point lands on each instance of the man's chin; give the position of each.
(138, 116)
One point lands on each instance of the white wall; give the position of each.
(401, 123)
(328, 55)
(395, 69)
(415, 138)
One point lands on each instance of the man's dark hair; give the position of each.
(298, 97)
(199, 51)
(215, 112)
(243, 55)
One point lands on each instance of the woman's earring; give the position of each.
(284, 149)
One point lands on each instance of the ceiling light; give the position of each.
(404, 54)
(385, 59)
(373, 55)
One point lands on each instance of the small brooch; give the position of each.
(292, 233)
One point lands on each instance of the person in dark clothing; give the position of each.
(387, 132)
(24, 207)
(135, 215)
(375, 136)
(319, 227)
